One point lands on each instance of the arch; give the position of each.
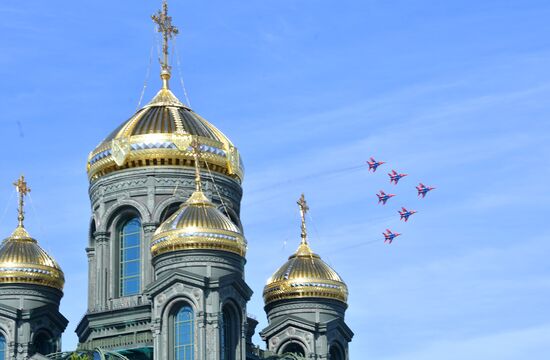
(129, 240)
(182, 331)
(161, 207)
(122, 206)
(91, 232)
(292, 346)
(230, 331)
(43, 342)
(336, 352)
(169, 210)
(232, 214)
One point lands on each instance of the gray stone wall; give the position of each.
(315, 324)
(26, 312)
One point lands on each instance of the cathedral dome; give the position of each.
(305, 275)
(198, 224)
(23, 261)
(159, 134)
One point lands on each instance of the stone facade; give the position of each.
(30, 320)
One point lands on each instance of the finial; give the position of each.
(303, 210)
(169, 31)
(22, 190)
(195, 145)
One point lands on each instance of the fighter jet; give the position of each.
(373, 164)
(423, 189)
(389, 236)
(406, 213)
(395, 176)
(383, 197)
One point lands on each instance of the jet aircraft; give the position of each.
(423, 189)
(383, 197)
(389, 236)
(406, 213)
(395, 176)
(373, 164)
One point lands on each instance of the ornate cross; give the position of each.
(22, 190)
(303, 210)
(196, 147)
(164, 26)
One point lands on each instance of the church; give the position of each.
(166, 256)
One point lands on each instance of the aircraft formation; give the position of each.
(383, 197)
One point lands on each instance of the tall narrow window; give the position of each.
(2, 347)
(229, 336)
(184, 334)
(130, 254)
(336, 353)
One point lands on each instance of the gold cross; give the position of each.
(303, 210)
(22, 190)
(196, 147)
(164, 26)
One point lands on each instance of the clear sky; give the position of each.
(456, 93)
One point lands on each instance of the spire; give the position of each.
(303, 210)
(169, 31)
(22, 190)
(196, 155)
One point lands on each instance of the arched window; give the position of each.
(293, 348)
(43, 344)
(2, 347)
(229, 335)
(336, 352)
(184, 334)
(130, 257)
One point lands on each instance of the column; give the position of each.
(102, 256)
(148, 231)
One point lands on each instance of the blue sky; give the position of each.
(454, 93)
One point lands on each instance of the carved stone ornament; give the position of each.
(182, 142)
(120, 149)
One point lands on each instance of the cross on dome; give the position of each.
(304, 208)
(196, 147)
(22, 189)
(169, 31)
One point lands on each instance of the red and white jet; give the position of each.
(373, 164)
(383, 197)
(423, 189)
(406, 213)
(389, 236)
(395, 176)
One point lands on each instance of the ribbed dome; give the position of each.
(198, 224)
(23, 261)
(159, 134)
(305, 275)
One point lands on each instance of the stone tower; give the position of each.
(140, 175)
(31, 287)
(305, 302)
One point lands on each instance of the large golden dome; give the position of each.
(159, 134)
(198, 224)
(23, 261)
(305, 275)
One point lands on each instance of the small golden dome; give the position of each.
(305, 275)
(159, 134)
(198, 224)
(23, 261)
